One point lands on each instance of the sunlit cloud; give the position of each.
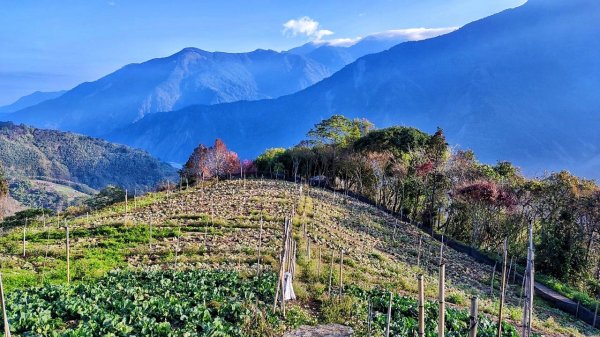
(305, 26)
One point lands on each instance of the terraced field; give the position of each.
(222, 226)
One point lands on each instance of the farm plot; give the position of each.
(232, 225)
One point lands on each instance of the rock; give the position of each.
(328, 330)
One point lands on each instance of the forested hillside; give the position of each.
(31, 156)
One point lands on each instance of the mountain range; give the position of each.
(520, 85)
(193, 76)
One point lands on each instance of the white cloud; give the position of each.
(414, 34)
(306, 26)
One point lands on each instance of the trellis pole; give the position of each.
(68, 247)
(473, 320)
(331, 273)
(341, 271)
(4, 315)
(24, 235)
(389, 317)
(421, 331)
(529, 286)
(259, 245)
(502, 287)
(442, 301)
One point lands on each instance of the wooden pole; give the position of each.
(442, 301)
(125, 203)
(68, 247)
(4, 315)
(421, 332)
(473, 322)
(389, 317)
(24, 234)
(370, 305)
(502, 288)
(282, 261)
(595, 315)
(330, 273)
(442, 251)
(259, 245)
(341, 271)
(308, 248)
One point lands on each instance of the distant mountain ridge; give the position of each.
(520, 85)
(30, 100)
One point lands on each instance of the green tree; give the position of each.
(339, 130)
(397, 140)
(271, 161)
(107, 196)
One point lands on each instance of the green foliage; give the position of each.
(145, 303)
(270, 161)
(106, 197)
(405, 316)
(339, 130)
(398, 140)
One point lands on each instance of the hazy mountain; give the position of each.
(521, 85)
(191, 76)
(29, 100)
(73, 160)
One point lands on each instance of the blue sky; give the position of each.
(53, 44)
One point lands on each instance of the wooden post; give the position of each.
(389, 317)
(4, 315)
(421, 332)
(68, 246)
(442, 301)
(529, 285)
(473, 321)
(259, 245)
(282, 261)
(125, 203)
(24, 230)
(330, 273)
(308, 248)
(502, 287)
(341, 271)
(370, 305)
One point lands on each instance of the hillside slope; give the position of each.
(67, 158)
(30, 100)
(519, 85)
(218, 227)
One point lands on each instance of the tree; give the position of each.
(271, 161)
(107, 196)
(215, 161)
(339, 130)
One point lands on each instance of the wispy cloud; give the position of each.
(306, 26)
(414, 34)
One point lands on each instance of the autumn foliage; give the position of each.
(211, 162)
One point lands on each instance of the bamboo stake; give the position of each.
(4, 315)
(68, 247)
(421, 332)
(442, 252)
(502, 288)
(259, 245)
(341, 271)
(330, 273)
(473, 322)
(389, 317)
(24, 234)
(442, 301)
